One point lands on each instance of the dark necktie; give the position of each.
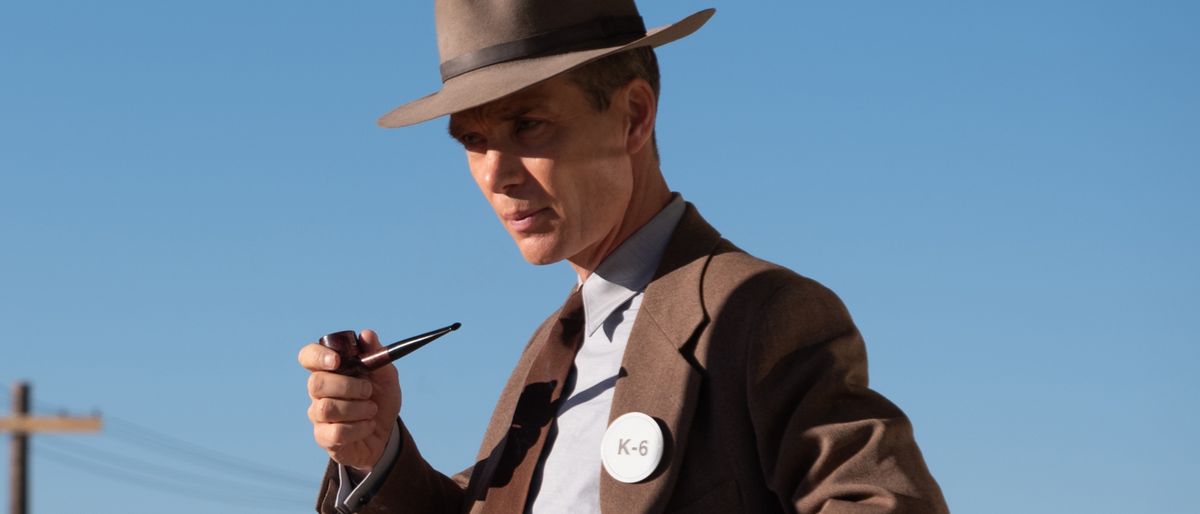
(539, 401)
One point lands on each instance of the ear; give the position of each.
(641, 110)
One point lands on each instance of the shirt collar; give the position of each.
(627, 270)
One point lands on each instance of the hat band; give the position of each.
(599, 33)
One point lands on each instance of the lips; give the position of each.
(526, 220)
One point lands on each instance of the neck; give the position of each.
(650, 195)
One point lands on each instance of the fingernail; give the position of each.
(330, 361)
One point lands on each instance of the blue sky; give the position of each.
(1003, 193)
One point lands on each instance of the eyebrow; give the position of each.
(454, 129)
(506, 114)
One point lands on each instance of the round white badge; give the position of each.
(632, 447)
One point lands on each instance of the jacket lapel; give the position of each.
(656, 379)
(495, 440)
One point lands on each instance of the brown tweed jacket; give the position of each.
(759, 378)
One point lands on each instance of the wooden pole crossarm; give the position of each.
(47, 424)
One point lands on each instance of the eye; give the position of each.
(526, 124)
(471, 140)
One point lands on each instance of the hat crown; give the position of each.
(468, 26)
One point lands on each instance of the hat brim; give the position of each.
(499, 80)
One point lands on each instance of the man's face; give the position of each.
(555, 170)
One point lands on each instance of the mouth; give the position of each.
(528, 220)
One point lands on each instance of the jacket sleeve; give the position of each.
(411, 486)
(827, 443)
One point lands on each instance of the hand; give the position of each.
(352, 417)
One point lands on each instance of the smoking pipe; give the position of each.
(350, 363)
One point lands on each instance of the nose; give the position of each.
(501, 171)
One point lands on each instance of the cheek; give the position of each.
(481, 179)
(603, 168)
(600, 197)
(475, 167)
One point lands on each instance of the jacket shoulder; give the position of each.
(735, 275)
(763, 312)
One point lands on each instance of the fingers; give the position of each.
(315, 357)
(323, 384)
(352, 417)
(368, 341)
(328, 410)
(333, 435)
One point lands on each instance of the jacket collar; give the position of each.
(673, 298)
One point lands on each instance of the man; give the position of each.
(682, 374)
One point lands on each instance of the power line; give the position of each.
(136, 434)
(147, 480)
(166, 472)
(133, 433)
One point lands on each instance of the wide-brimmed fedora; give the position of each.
(492, 48)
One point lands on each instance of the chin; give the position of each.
(539, 250)
(540, 259)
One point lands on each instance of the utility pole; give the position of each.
(22, 425)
